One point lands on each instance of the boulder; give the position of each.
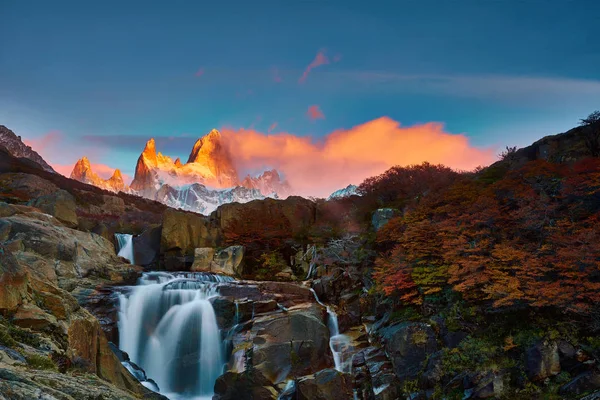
(382, 216)
(327, 384)
(243, 386)
(408, 345)
(60, 204)
(294, 343)
(227, 261)
(542, 360)
(203, 258)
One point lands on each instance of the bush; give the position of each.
(40, 362)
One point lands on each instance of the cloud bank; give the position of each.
(317, 168)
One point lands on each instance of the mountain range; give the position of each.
(207, 180)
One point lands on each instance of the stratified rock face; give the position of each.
(82, 171)
(17, 148)
(269, 183)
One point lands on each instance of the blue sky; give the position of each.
(108, 75)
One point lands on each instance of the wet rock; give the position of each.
(146, 246)
(432, 374)
(60, 204)
(542, 360)
(408, 344)
(327, 384)
(294, 343)
(243, 386)
(224, 310)
(265, 306)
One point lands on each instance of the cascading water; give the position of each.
(339, 344)
(125, 246)
(168, 327)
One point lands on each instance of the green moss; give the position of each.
(40, 362)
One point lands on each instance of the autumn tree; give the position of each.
(591, 132)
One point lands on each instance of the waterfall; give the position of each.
(125, 246)
(168, 327)
(339, 344)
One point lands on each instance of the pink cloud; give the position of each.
(276, 76)
(44, 142)
(320, 59)
(272, 127)
(199, 73)
(317, 168)
(315, 113)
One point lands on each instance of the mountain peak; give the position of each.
(210, 152)
(17, 148)
(82, 172)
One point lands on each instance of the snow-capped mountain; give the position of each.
(207, 180)
(350, 190)
(17, 148)
(268, 183)
(198, 198)
(82, 171)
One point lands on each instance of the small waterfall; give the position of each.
(125, 246)
(168, 327)
(339, 344)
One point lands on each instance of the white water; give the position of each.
(168, 327)
(339, 344)
(125, 246)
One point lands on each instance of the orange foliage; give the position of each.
(530, 238)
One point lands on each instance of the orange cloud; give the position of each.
(272, 127)
(315, 113)
(320, 59)
(344, 156)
